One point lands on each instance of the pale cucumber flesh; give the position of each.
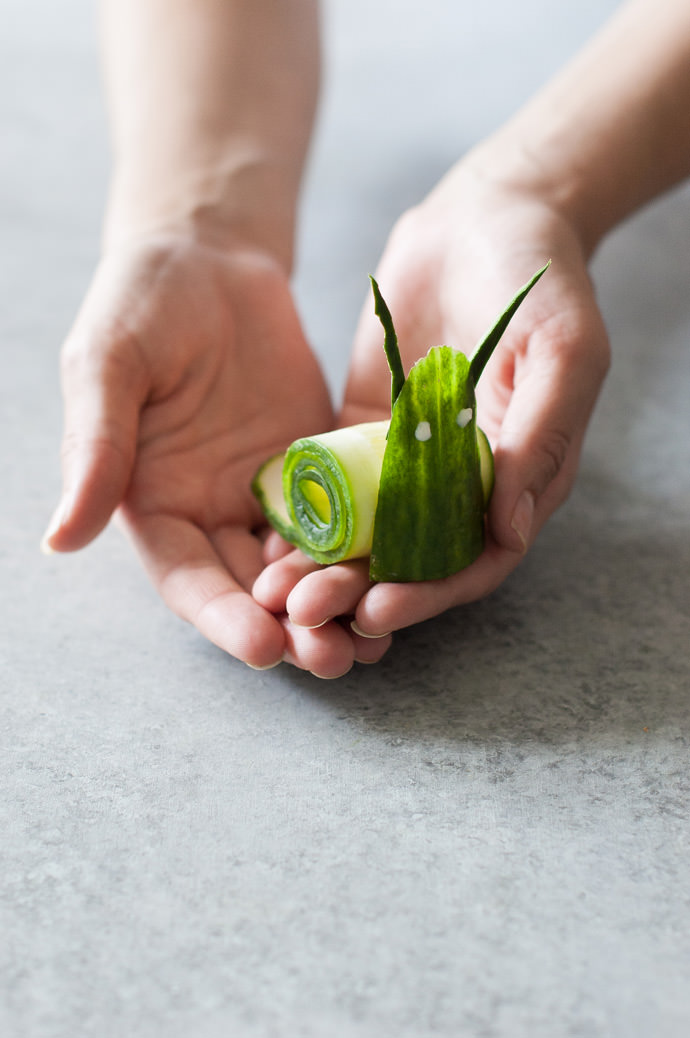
(410, 493)
(359, 446)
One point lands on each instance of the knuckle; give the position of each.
(406, 227)
(71, 355)
(603, 357)
(553, 452)
(406, 244)
(112, 358)
(70, 446)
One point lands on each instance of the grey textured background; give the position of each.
(485, 835)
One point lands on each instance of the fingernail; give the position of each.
(267, 666)
(57, 519)
(363, 634)
(523, 517)
(310, 627)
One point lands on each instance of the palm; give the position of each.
(232, 382)
(201, 372)
(535, 396)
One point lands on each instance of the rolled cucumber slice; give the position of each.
(332, 484)
(267, 487)
(410, 493)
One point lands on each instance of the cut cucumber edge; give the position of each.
(267, 487)
(486, 466)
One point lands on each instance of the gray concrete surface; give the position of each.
(486, 835)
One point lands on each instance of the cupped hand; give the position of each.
(186, 368)
(451, 265)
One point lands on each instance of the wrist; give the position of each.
(211, 105)
(245, 199)
(539, 168)
(610, 132)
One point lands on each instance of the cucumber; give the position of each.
(332, 484)
(267, 487)
(410, 493)
(486, 466)
(321, 494)
(429, 520)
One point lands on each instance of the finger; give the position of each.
(389, 607)
(328, 592)
(536, 461)
(241, 552)
(274, 584)
(193, 581)
(104, 386)
(327, 652)
(541, 436)
(275, 547)
(371, 650)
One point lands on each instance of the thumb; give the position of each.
(531, 483)
(538, 451)
(104, 386)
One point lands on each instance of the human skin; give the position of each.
(187, 365)
(611, 132)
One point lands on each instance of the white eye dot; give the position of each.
(423, 431)
(464, 417)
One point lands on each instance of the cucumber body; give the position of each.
(412, 493)
(322, 494)
(430, 515)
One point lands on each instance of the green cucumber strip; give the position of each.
(429, 518)
(321, 465)
(267, 487)
(411, 493)
(488, 344)
(390, 342)
(330, 486)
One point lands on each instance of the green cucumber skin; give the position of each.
(486, 346)
(325, 543)
(447, 477)
(443, 530)
(346, 464)
(273, 475)
(390, 342)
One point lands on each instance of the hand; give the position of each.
(450, 267)
(186, 368)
